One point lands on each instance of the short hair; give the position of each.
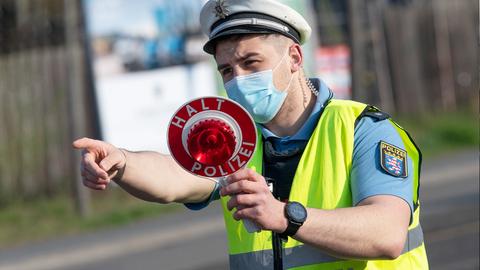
(279, 46)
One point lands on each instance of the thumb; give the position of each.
(115, 160)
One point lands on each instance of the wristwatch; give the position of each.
(296, 215)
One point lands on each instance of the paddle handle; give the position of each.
(249, 225)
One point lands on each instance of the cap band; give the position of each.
(252, 21)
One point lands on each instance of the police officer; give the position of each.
(347, 175)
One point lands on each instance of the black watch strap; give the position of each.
(291, 230)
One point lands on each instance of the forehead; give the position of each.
(239, 46)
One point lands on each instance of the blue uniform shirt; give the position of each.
(367, 176)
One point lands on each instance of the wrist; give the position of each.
(282, 222)
(121, 170)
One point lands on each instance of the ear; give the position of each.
(296, 56)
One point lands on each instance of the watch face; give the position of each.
(296, 211)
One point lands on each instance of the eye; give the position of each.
(226, 71)
(250, 62)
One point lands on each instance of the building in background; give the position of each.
(148, 61)
(332, 53)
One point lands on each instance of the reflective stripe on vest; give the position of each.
(306, 255)
(322, 181)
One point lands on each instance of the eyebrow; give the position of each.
(250, 54)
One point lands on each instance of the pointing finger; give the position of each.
(85, 143)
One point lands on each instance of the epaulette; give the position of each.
(373, 112)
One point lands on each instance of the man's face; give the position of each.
(246, 55)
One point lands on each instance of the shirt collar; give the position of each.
(306, 130)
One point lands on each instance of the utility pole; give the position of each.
(357, 44)
(77, 96)
(444, 57)
(382, 69)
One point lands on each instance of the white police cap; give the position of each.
(220, 18)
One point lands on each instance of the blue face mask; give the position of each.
(257, 94)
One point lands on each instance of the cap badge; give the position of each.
(221, 9)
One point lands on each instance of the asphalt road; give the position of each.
(450, 216)
(196, 240)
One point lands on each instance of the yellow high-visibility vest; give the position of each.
(322, 181)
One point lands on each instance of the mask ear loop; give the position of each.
(281, 60)
(278, 64)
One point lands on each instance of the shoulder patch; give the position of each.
(393, 160)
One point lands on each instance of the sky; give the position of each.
(106, 16)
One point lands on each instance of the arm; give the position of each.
(149, 176)
(376, 228)
(155, 177)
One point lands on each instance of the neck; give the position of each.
(295, 111)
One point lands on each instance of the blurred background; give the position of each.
(117, 70)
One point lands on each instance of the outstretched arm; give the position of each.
(149, 176)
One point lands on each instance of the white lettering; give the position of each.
(221, 170)
(190, 110)
(240, 162)
(219, 101)
(231, 166)
(178, 122)
(210, 171)
(245, 152)
(196, 166)
(203, 105)
(248, 144)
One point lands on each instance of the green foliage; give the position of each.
(444, 132)
(23, 221)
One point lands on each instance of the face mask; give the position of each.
(257, 94)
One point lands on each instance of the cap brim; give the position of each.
(210, 46)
